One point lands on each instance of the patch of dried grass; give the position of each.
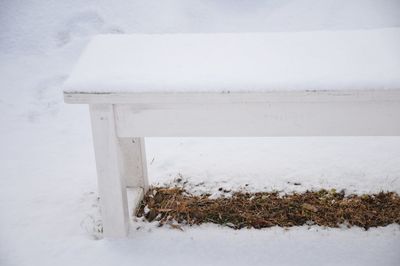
(266, 209)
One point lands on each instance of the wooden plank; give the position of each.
(111, 184)
(134, 167)
(237, 97)
(332, 118)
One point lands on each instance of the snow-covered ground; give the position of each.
(48, 200)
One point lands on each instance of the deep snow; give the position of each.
(48, 200)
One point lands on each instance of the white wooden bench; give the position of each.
(276, 84)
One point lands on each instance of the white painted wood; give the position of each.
(237, 97)
(135, 195)
(134, 167)
(111, 184)
(323, 115)
(289, 119)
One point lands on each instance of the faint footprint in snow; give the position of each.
(114, 30)
(92, 223)
(47, 98)
(93, 227)
(84, 24)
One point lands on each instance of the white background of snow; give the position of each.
(48, 179)
(324, 60)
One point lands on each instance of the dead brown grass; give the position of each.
(266, 209)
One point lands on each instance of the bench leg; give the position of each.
(112, 186)
(134, 163)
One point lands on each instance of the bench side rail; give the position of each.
(315, 114)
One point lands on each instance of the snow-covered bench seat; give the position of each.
(252, 84)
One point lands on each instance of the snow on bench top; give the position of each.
(245, 62)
